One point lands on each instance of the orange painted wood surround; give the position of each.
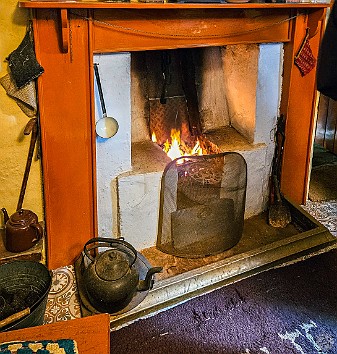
(67, 34)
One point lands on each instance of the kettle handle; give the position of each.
(39, 231)
(108, 242)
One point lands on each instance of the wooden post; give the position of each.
(64, 94)
(298, 103)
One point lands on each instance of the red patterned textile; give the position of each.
(304, 59)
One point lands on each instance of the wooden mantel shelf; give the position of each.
(76, 4)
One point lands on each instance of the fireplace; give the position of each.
(237, 91)
(71, 36)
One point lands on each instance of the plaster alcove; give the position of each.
(246, 83)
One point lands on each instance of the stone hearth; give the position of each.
(261, 248)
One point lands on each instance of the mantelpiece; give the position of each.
(68, 33)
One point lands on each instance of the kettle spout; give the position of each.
(6, 217)
(147, 284)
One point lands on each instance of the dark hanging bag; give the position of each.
(327, 58)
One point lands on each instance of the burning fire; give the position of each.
(176, 148)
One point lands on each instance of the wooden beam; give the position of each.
(298, 103)
(64, 92)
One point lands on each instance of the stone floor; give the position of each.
(63, 301)
(325, 213)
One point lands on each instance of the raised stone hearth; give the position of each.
(262, 247)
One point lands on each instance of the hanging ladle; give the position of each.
(106, 127)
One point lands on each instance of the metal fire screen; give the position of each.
(202, 204)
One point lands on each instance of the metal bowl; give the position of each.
(27, 283)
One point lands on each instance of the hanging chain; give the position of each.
(175, 35)
(70, 41)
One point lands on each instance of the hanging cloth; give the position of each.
(19, 83)
(25, 97)
(304, 58)
(22, 61)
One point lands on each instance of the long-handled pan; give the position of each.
(31, 127)
(106, 127)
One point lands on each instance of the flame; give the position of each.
(176, 148)
(197, 150)
(153, 137)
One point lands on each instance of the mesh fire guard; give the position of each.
(202, 204)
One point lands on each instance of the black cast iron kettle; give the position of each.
(112, 279)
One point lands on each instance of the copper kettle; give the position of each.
(23, 230)
(112, 279)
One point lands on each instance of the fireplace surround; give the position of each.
(67, 34)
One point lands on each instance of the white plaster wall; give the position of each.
(253, 75)
(240, 63)
(139, 99)
(113, 156)
(14, 145)
(139, 208)
(212, 90)
(257, 174)
(268, 94)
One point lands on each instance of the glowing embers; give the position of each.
(202, 204)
